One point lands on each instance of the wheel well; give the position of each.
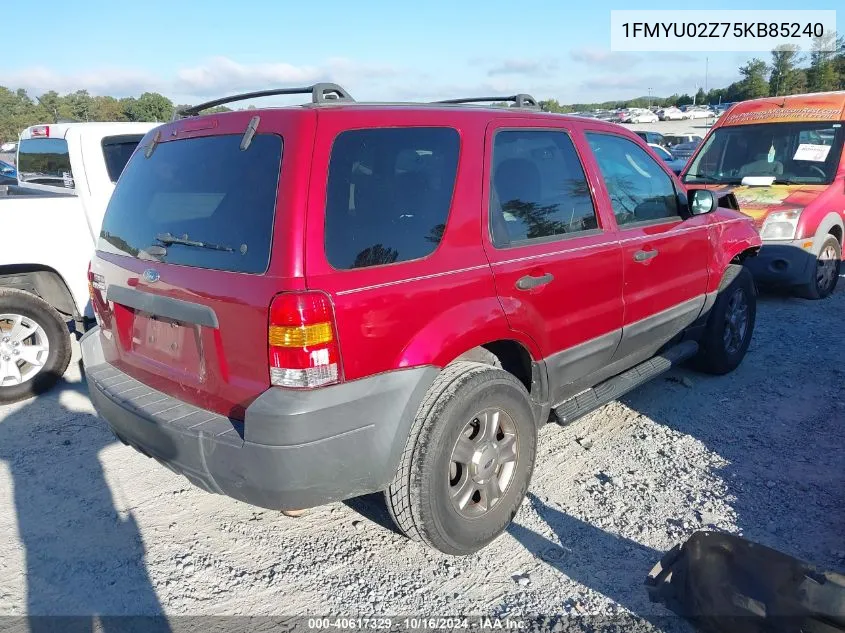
(741, 257)
(41, 281)
(836, 231)
(507, 354)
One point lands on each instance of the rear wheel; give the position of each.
(34, 345)
(730, 324)
(825, 274)
(468, 460)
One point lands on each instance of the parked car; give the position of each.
(683, 151)
(388, 322)
(652, 138)
(66, 174)
(670, 114)
(784, 163)
(642, 116)
(675, 164)
(677, 139)
(9, 148)
(699, 113)
(8, 174)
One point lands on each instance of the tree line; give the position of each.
(788, 72)
(18, 110)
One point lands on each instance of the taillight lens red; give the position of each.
(96, 286)
(302, 341)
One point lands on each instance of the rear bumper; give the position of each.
(783, 263)
(295, 449)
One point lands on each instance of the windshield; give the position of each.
(791, 153)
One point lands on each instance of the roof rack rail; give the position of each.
(518, 100)
(320, 93)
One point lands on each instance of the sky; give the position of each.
(431, 49)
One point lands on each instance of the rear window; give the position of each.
(198, 202)
(389, 193)
(117, 150)
(45, 161)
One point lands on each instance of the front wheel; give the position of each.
(468, 461)
(825, 274)
(34, 345)
(730, 324)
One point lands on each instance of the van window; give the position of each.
(791, 153)
(116, 152)
(388, 194)
(204, 191)
(45, 161)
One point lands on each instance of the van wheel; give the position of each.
(34, 345)
(825, 273)
(730, 324)
(468, 460)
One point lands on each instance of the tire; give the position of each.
(722, 349)
(51, 328)
(824, 275)
(457, 404)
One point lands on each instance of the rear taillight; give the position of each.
(302, 341)
(96, 286)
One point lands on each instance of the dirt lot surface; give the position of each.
(90, 526)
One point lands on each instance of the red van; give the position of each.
(782, 158)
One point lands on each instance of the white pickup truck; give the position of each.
(48, 226)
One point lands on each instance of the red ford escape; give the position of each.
(305, 304)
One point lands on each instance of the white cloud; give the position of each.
(213, 77)
(525, 67)
(604, 58)
(103, 81)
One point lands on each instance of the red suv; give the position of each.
(305, 304)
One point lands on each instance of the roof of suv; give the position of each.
(335, 98)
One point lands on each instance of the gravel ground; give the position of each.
(90, 526)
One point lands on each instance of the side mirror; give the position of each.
(701, 201)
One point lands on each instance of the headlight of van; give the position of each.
(781, 225)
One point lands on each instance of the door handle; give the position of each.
(642, 256)
(528, 282)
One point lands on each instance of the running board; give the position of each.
(613, 388)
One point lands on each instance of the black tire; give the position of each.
(13, 301)
(418, 499)
(816, 287)
(715, 355)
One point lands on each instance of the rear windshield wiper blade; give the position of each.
(167, 238)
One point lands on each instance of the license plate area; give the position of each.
(172, 345)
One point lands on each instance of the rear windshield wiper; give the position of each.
(167, 238)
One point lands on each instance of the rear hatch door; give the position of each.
(184, 267)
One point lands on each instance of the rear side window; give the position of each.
(117, 150)
(197, 202)
(388, 194)
(539, 190)
(45, 161)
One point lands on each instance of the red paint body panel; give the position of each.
(421, 312)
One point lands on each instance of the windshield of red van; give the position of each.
(199, 202)
(791, 153)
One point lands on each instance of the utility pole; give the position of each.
(706, 69)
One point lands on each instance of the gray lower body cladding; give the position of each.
(293, 450)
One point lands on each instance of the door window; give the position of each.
(538, 188)
(639, 189)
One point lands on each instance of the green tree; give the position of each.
(150, 106)
(684, 99)
(785, 77)
(822, 75)
(79, 105)
(108, 109)
(754, 83)
(701, 97)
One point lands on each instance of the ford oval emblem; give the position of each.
(151, 275)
